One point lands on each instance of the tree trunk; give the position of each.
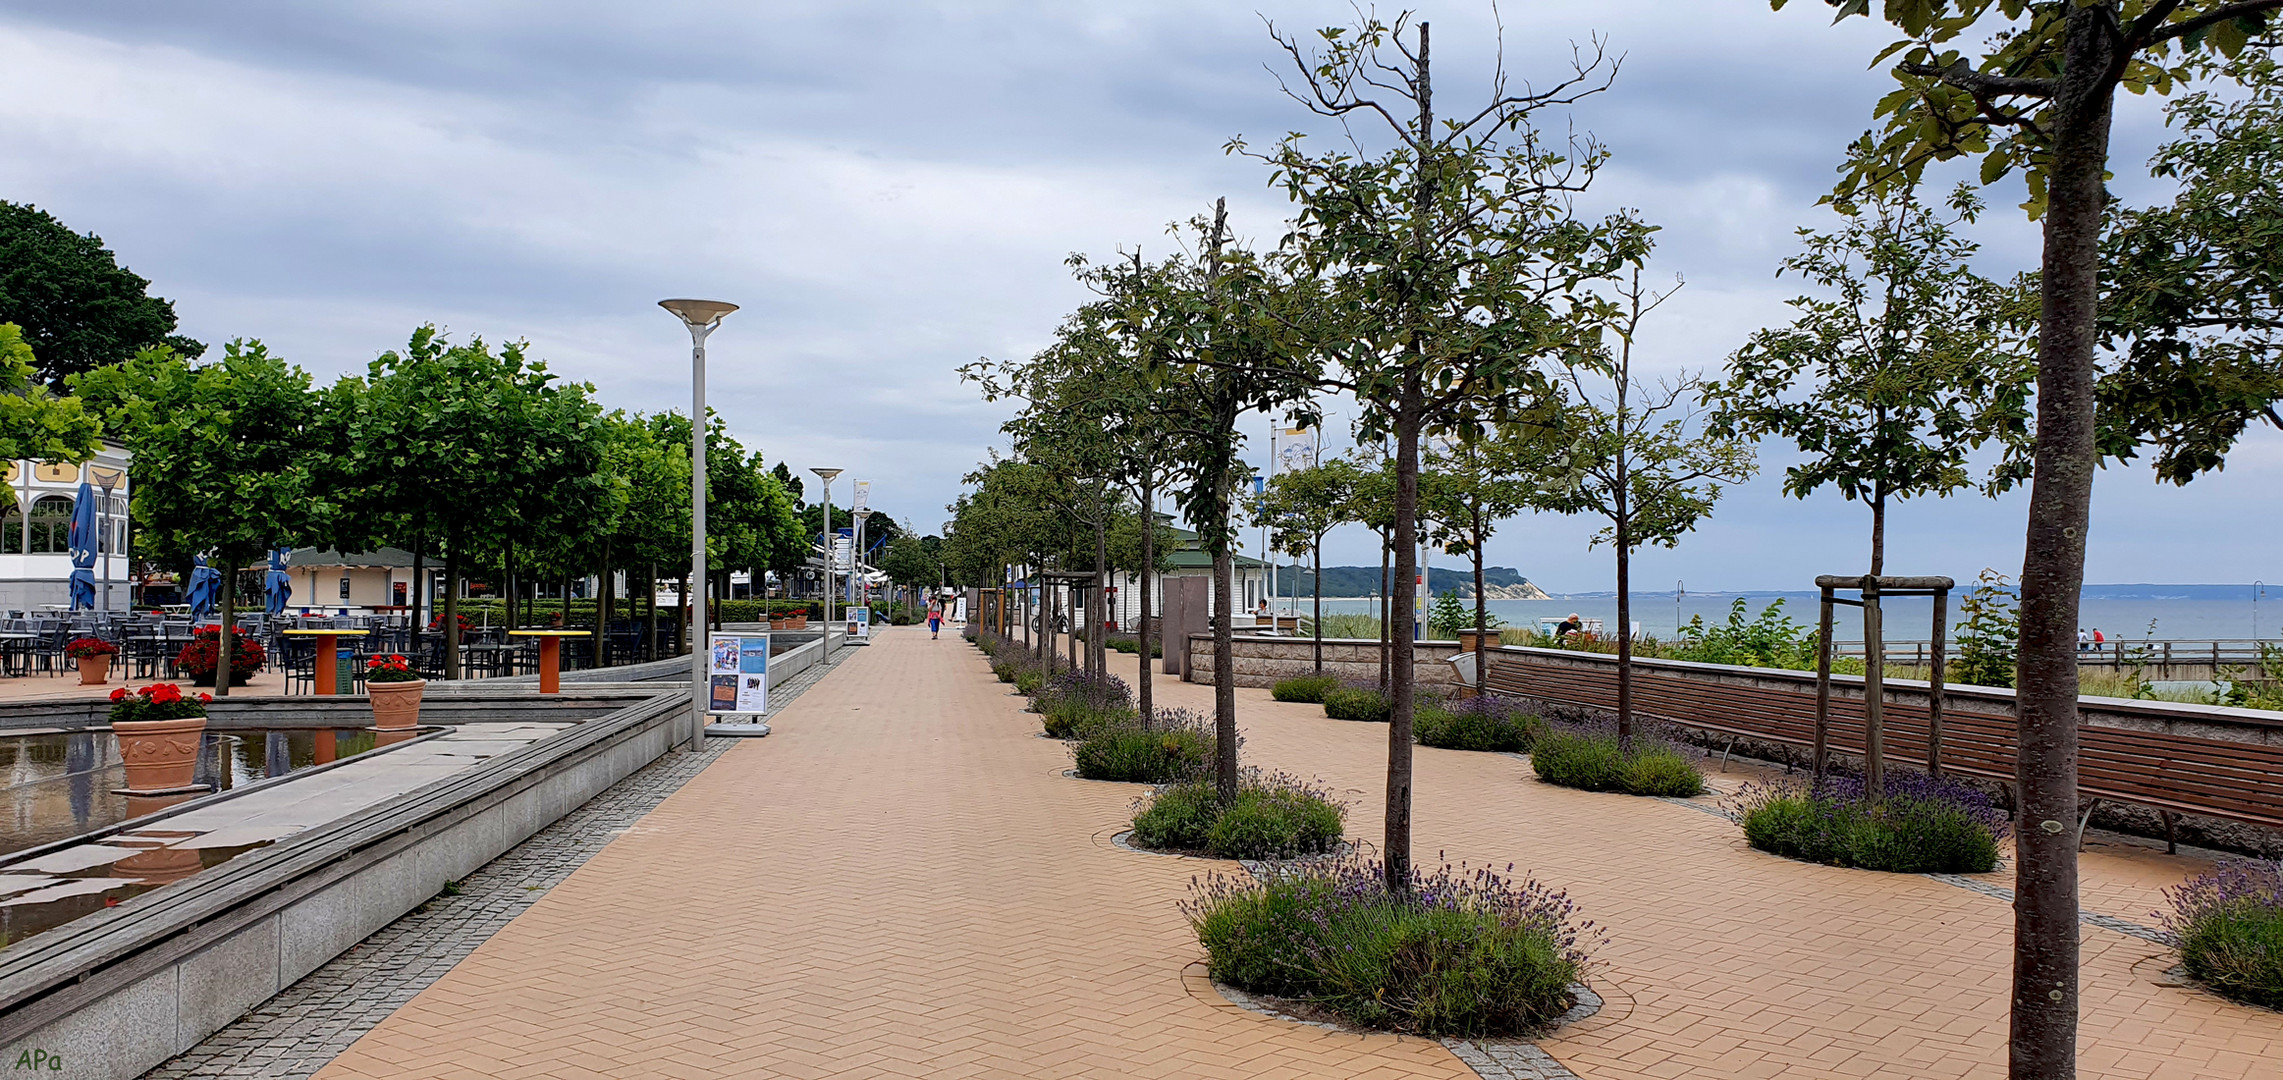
(514, 591)
(603, 587)
(1224, 675)
(1396, 847)
(419, 584)
(2044, 1035)
(1386, 589)
(1097, 613)
(452, 605)
(1317, 554)
(1481, 610)
(1624, 629)
(229, 625)
(650, 590)
(1875, 658)
(1142, 696)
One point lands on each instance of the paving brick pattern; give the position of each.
(901, 882)
(295, 1033)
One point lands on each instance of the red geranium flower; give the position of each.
(204, 696)
(120, 694)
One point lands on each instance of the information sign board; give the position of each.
(739, 674)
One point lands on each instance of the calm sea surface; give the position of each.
(2177, 612)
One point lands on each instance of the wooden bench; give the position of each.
(2168, 773)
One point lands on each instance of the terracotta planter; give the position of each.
(95, 670)
(396, 705)
(777, 624)
(797, 622)
(160, 754)
(1469, 640)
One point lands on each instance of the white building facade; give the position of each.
(35, 534)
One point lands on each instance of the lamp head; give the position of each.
(863, 515)
(828, 474)
(698, 313)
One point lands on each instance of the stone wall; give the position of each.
(1261, 661)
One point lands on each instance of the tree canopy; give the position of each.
(77, 307)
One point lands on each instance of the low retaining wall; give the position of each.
(118, 992)
(1262, 661)
(2249, 727)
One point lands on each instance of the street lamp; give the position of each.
(109, 482)
(827, 474)
(856, 557)
(701, 316)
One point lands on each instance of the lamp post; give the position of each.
(856, 556)
(827, 474)
(701, 316)
(109, 482)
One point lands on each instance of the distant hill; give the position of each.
(1346, 581)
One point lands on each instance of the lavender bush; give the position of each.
(1467, 952)
(1275, 816)
(2229, 923)
(1926, 824)
(1177, 746)
(1077, 703)
(1484, 722)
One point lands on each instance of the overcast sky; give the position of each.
(889, 189)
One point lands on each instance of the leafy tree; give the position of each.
(1298, 509)
(223, 460)
(1444, 272)
(35, 424)
(474, 447)
(2192, 301)
(1888, 381)
(1646, 464)
(78, 308)
(2040, 97)
(909, 563)
(1990, 634)
(1487, 476)
(1214, 350)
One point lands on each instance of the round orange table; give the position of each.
(328, 656)
(550, 655)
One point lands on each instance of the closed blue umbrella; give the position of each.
(277, 582)
(83, 544)
(205, 588)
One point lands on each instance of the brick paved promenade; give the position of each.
(902, 883)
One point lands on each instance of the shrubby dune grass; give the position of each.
(1308, 689)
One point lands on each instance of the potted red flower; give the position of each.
(159, 731)
(94, 655)
(394, 689)
(199, 658)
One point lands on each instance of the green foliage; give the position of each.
(1772, 639)
(1449, 616)
(224, 451)
(1064, 718)
(1300, 505)
(1594, 761)
(2192, 292)
(1356, 703)
(1163, 754)
(1989, 635)
(1905, 363)
(909, 562)
(1309, 689)
(2229, 925)
(1273, 817)
(35, 424)
(76, 306)
(1351, 627)
(1459, 726)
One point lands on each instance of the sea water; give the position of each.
(2130, 612)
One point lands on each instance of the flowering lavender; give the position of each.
(1085, 688)
(1924, 824)
(2229, 923)
(1460, 950)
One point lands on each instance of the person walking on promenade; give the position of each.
(934, 620)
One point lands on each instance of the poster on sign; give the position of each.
(739, 674)
(860, 625)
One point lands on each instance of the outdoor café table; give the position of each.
(15, 652)
(550, 655)
(328, 656)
